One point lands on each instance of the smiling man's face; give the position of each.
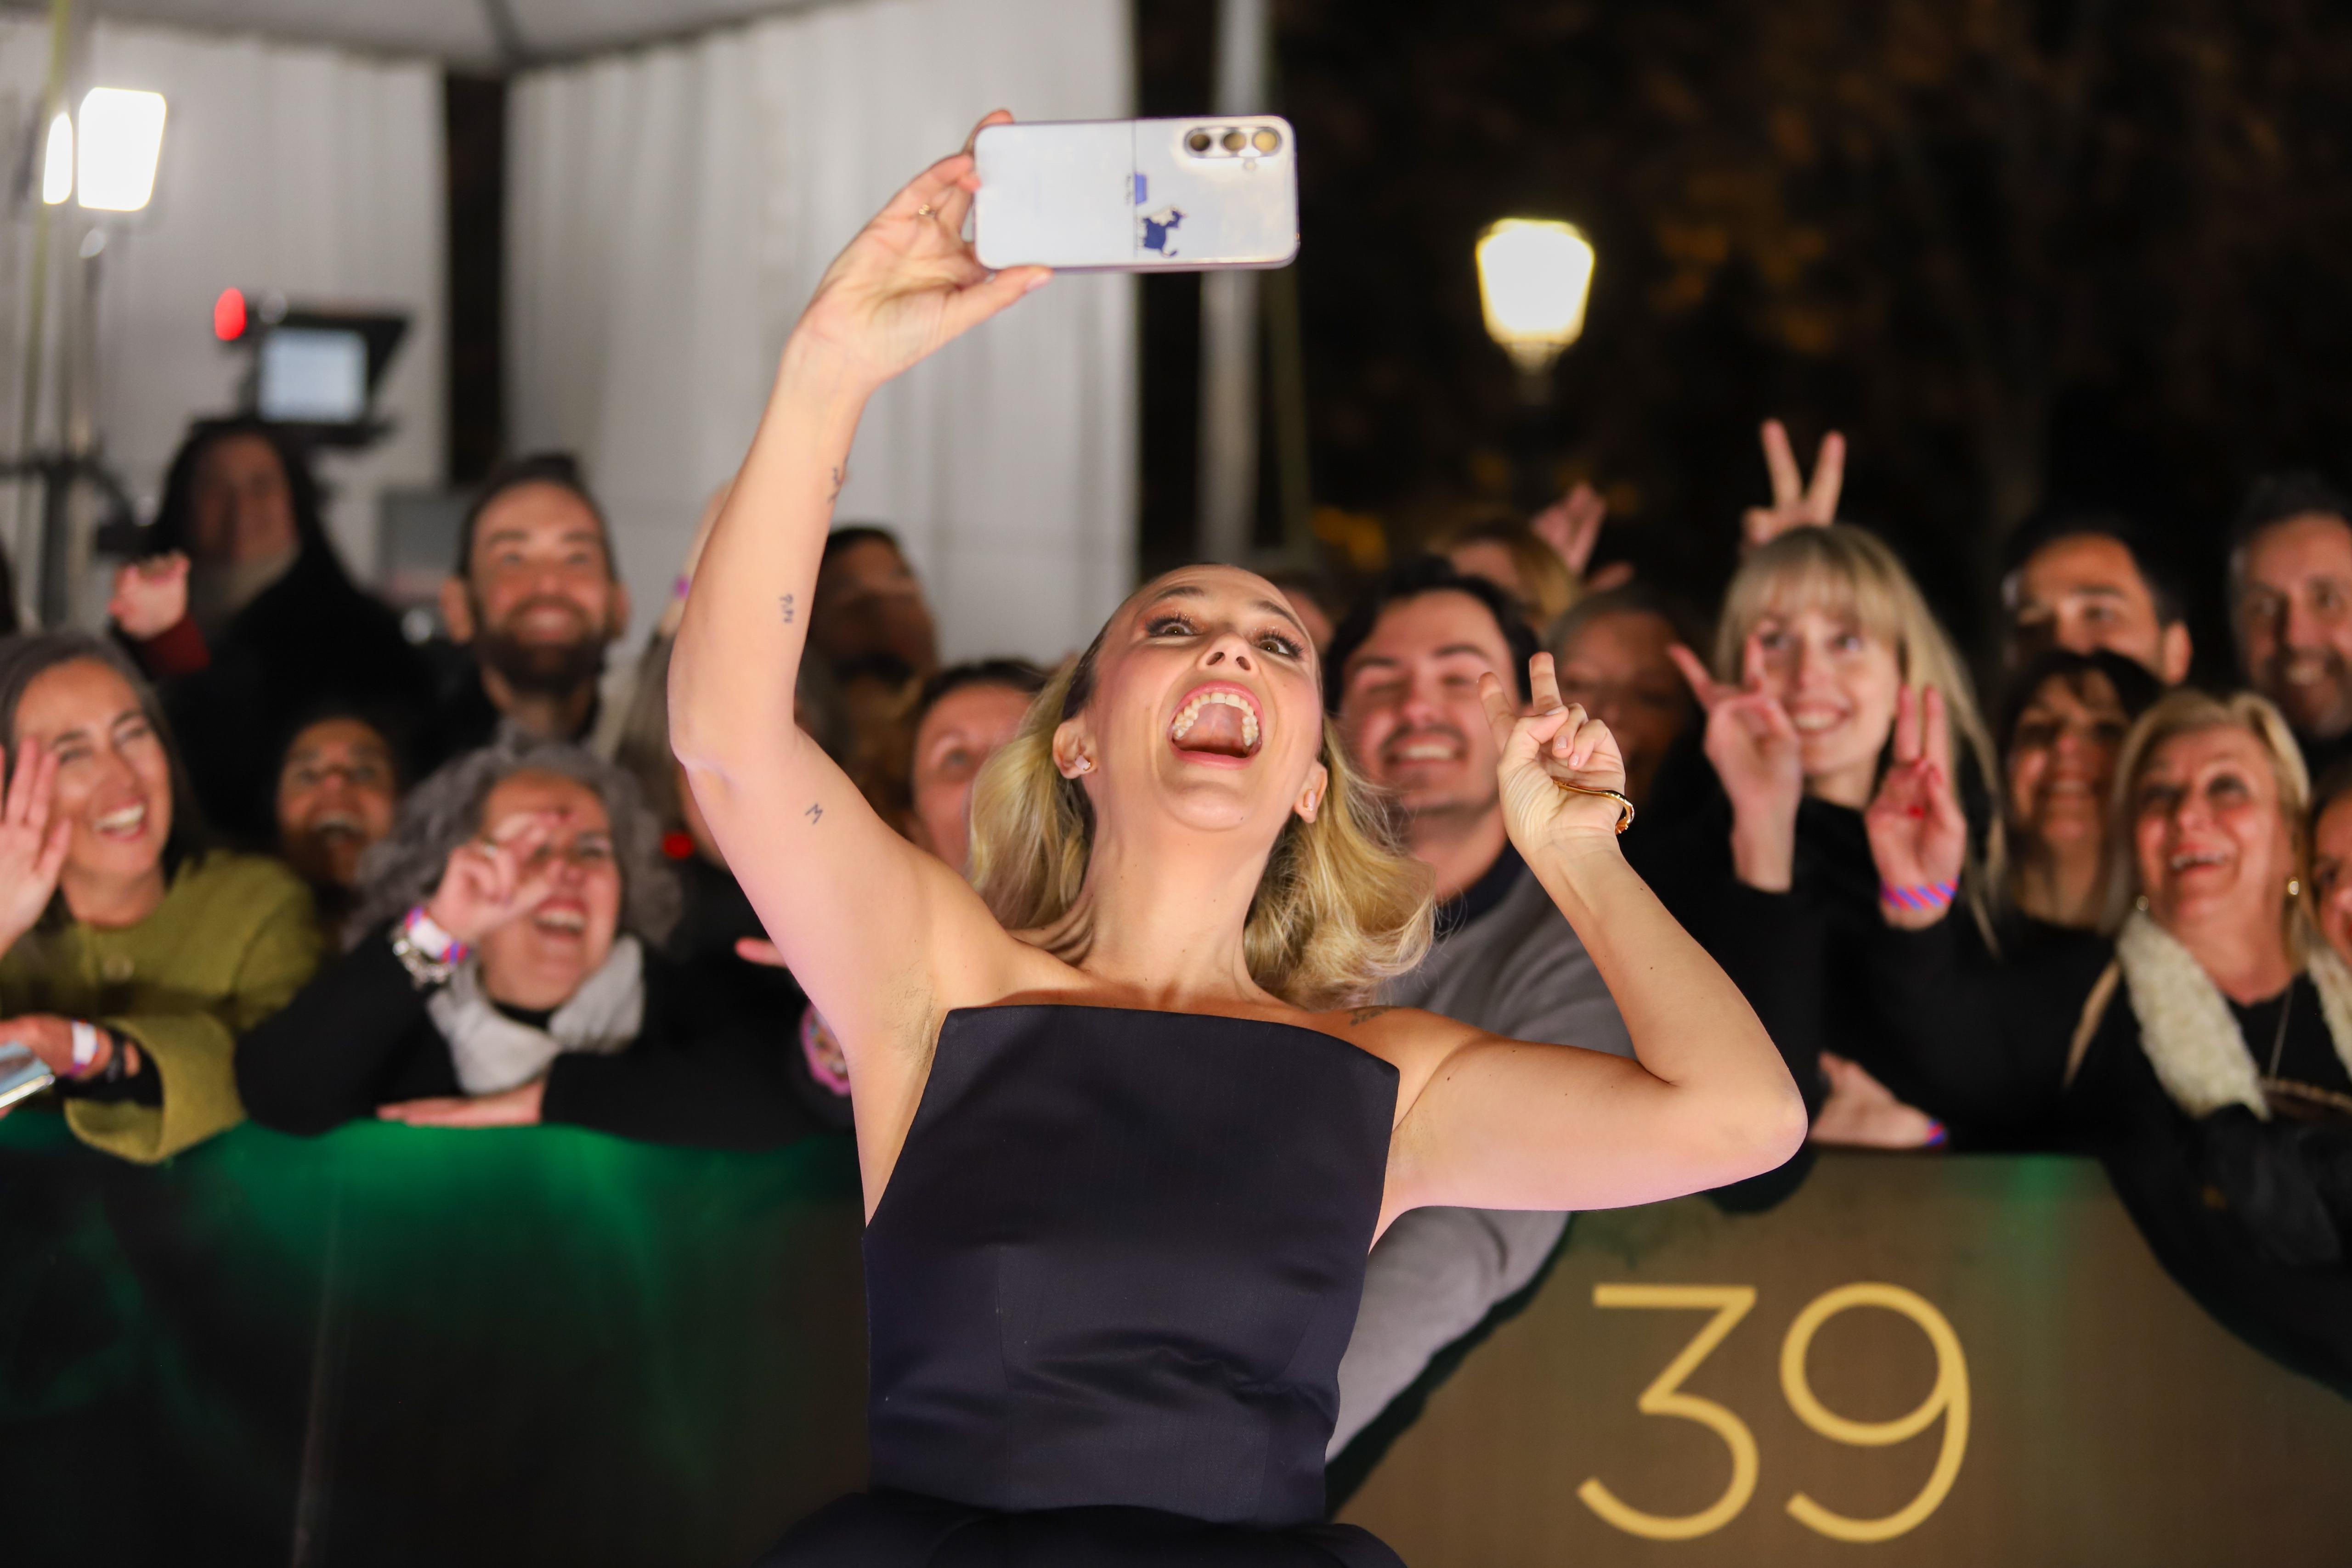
(1409, 703)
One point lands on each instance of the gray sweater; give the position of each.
(1511, 966)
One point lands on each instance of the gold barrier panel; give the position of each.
(1916, 1360)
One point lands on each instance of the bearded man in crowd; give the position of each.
(2291, 606)
(538, 601)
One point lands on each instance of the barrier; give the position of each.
(395, 1345)
(1914, 1361)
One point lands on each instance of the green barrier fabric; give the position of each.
(399, 1345)
(396, 1345)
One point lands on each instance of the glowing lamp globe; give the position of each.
(1534, 274)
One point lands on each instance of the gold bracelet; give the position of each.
(1625, 806)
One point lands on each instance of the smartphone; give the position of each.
(1137, 195)
(22, 1075)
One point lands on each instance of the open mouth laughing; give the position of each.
(1217, 723)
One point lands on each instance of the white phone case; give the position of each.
(1137, 195)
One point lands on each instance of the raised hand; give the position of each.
(1760, 762)
(33, 840)
(1795, 503)
(495, 878)
(151, 596)
(1558, 744)
(910, 282)
(1571, 526)
(1918, 834)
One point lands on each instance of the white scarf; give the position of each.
(2188, 1032)
(494, 1052)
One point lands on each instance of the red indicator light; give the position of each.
(228, 314)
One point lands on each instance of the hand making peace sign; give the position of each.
(1918, 834)
(1795, 504)
(1758, 756)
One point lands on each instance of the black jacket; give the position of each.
(2253, 1218)
(705, 1070)
(309, 640)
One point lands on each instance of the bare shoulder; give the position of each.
(1414, 1042)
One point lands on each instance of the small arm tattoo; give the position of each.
(840, 477)
(785, 604)
(815, 813)
(1366, 1015)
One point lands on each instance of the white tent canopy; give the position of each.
(679, 173)
(476, 32)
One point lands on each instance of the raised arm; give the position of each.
(1506, 1124)
(883, 937)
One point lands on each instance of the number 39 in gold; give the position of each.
(1663, 1396)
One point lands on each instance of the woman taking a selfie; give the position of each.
(1125, 1143)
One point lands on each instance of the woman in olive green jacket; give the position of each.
(133, 958)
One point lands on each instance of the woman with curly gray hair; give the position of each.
(506, 971)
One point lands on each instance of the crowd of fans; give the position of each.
(261, 856)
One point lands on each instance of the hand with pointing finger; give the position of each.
(1795, 503)
(1556, 744)
(1756, 756)
(1918, 834)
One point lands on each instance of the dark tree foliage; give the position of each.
(2074, 252)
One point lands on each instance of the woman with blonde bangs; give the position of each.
(1825, 651)
(1125, 1142)
(2199, 1044)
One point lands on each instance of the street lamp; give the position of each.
(1534, 276)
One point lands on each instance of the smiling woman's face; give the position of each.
(540, 960)
(1838, 680)
(1206, 708)
(2208, 834)
(114, 780)
(2062, 759)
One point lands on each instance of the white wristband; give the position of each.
(427, 936)
(85, 1045)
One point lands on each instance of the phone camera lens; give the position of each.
(1198, 141)
(1266, 140)
(1234, 141)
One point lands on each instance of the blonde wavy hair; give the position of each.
(2185, 710)
(1339, 907)
(1844, 570)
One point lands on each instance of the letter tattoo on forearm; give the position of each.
(785, 604)
(815, 813)
(840, 477)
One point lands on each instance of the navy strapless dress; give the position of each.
(1108, 1290)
